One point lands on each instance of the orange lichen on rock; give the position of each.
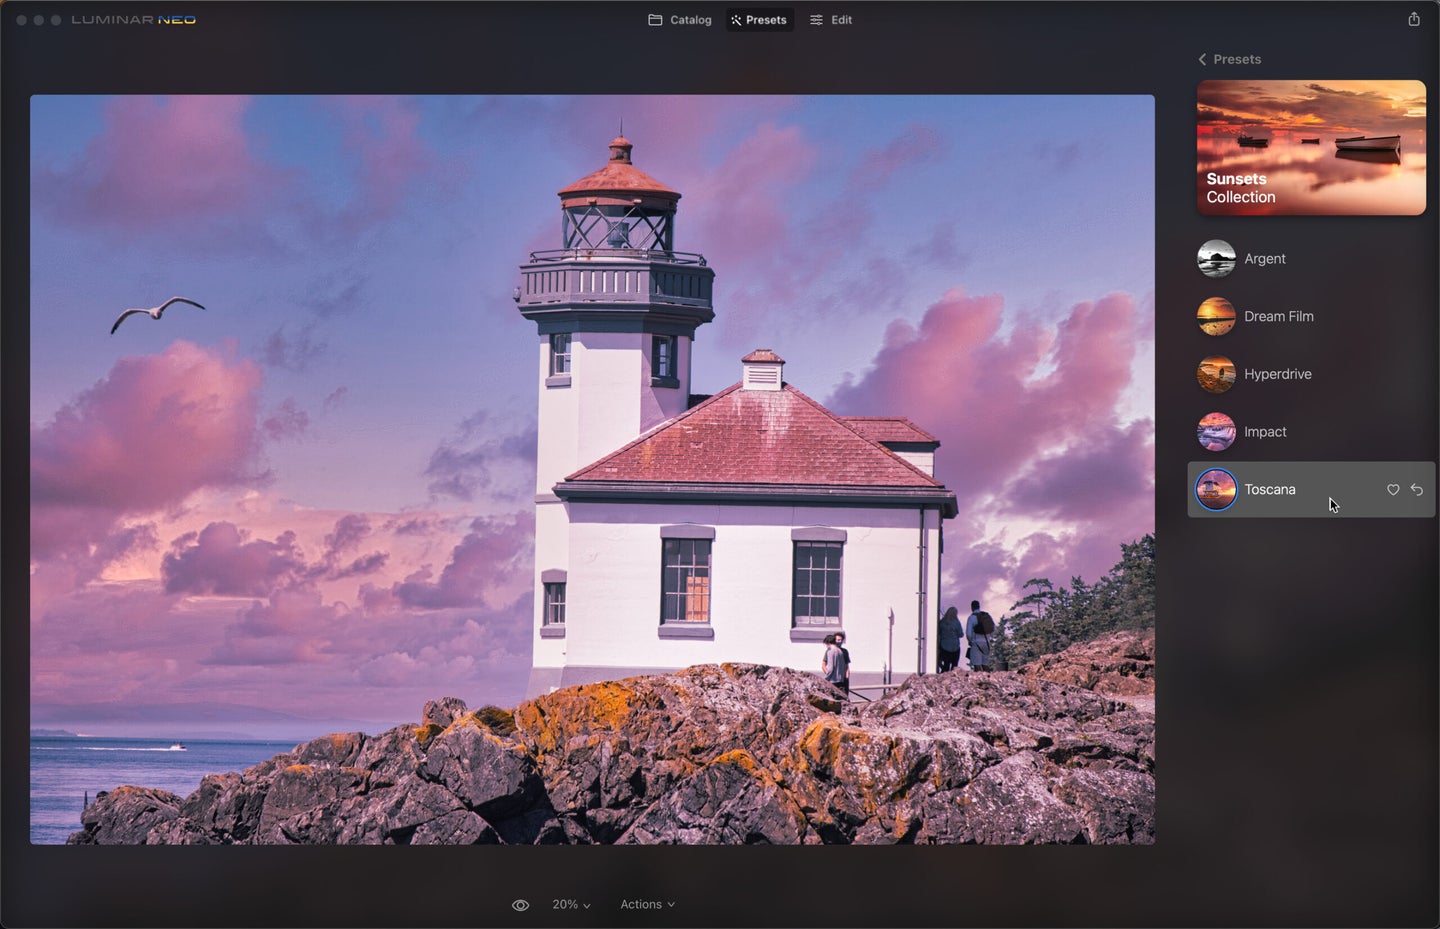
(423, 734)
(820, 745)
(744, 761)
(497, 720)
(553, 719)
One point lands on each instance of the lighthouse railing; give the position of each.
(614, 280)
(610, 254)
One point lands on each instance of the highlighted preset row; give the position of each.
(1316, 489)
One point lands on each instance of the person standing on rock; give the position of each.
(836, 670)
(948, 640)
(978, 629)
(840, 644)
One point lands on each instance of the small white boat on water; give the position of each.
(177, 747)
(1360, 143)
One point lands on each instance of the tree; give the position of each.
(1047, 619)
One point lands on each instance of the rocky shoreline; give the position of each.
(713, 754)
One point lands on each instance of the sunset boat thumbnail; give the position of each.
(1360, 143)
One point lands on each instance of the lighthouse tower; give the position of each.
(615, 308)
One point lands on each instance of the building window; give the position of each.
(662, 361)
(559, 353)
(685, 581)
(817, 583)
(555, 604)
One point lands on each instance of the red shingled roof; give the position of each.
(757, 437)
(889, 429)
(619, 175)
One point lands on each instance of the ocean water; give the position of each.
(63, 770)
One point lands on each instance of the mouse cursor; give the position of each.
(1334, 507)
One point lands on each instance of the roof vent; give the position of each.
(762, 370)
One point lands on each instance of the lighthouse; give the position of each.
(673, 529)
(616, 309)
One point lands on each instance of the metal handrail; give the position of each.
(641, 254)
(885, 690)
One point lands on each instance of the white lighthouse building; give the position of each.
(673, 529)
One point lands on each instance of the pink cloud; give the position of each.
(916, 145)
(991, 392)
(221, 560)
(381, 134)
(671, 134)
(292, 353)
(756, 210)
(471, 459)
(463, 629)
(741, 207)
(490, 567)
(1030, 429)
(349, 532)
(287, 421)
(335, 399)
(161, 162)
(153, 431)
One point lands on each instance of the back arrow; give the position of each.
(1202, 58)
(1417, 490)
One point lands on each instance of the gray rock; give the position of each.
(337, 750)
(301, 799)
(443, 712)
(1117, 807)
(715, 754)
(391, 756)
(226, 806)
(461, 827)
(180, 831)
(730, 801)
(393, 815)
(1120, 663)
(125, 816)
(495, 777)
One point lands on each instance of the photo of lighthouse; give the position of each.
(495, 397)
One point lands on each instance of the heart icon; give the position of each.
(1393, 488)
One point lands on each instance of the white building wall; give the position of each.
(556, 450)
(614, 587)
(608, 403)
(552, 543)
(616, 402)
(607, 370)
(658, 404)
(925, 461)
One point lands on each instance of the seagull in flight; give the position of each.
(154, 311)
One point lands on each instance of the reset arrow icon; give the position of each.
(1417, 490)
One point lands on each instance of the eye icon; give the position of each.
(520, 906)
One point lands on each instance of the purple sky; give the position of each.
(314, 496)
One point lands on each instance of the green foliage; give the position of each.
(501, 722)
(1048, 620)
